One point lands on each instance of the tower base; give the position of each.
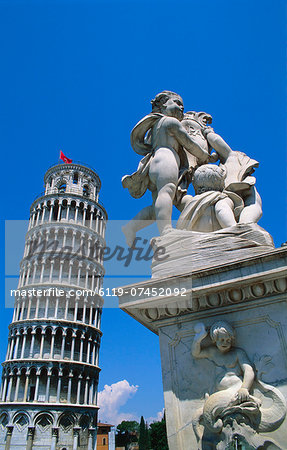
(47, 427)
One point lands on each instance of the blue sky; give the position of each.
(77, 75)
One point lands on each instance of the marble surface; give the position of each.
(250, 295)
(187, 251)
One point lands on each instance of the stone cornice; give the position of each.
(72, 167)
(51, 362)
(65, 225)
(228, 285)
(53, 323)
(71, 196)
(53, 406)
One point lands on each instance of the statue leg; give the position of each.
(163, 173)
(224, 213)
(252, 210)
(163, 206)
(144, 218)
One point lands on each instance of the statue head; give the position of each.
(168, 103)
(223, 335)
(208, 177)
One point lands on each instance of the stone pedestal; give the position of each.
(250, 294)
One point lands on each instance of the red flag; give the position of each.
(64, 158)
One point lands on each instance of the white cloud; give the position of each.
(158, 417)
(110, 400)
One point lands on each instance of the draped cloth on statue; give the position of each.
(144, 142)
(238, 168)
(199, 205)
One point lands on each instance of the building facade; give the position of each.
(50, 375)
(106, 435)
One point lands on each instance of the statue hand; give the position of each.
(242, 395)
(200, 330)
(207, 130)
(213, 157)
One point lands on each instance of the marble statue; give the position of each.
(233, 401)
(212, 208)
(165, 144)
(174, 147)
(240, 201)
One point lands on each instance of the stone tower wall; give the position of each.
(50, 374)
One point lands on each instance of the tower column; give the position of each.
(24, 344)
(59, 212)
(52, 344)
(84, 215)
(86, 390)
(79, 388)
(26, 386)
(51, 271)
(4, 388)
(63, 344)
(51, 212)
(37, 386)
(38, 216)
(66, 308)
(17, 345)
(91, 218)
(76, 437)
(88, 350)
(81, 348)
(33, 332)
(9, 386)
(47, 307)
(30, 437)
(48, 386)
(42, 343)
(43, 213)
(34, 271)
(76, 213)
(55, 432)
(73, 345)
(69, 387)
(9, 437)
(8, 347)
(17, 386)
(29, 308)
(59, 386)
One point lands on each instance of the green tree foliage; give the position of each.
(128, 425)
(158, 436)
(144, 436)
(127, 432)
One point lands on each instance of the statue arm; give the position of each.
(176, 130)
(217, 143)
(248, 377)
(252, 210)
(196, 349)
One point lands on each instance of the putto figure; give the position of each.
(212, 208)
(233, 400)
(173, 146)
(165, 144)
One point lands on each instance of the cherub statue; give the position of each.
(239, 202)
(233, 396)
(239, 169)
(212, 208)
(164, 142)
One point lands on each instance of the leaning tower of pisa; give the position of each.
(50, 374)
